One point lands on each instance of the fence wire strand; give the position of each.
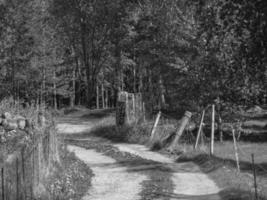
(244, 154)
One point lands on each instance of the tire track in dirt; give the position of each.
(189, 182)
(149, 169)
(110, 181)
(158, 182)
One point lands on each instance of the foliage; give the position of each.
(71, 179)
(173, 52)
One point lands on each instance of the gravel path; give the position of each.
(113, 182)
(192, 183)
(110, 181)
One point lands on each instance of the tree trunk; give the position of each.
(106, 98)
(150, 92)
(97, 95)
(72, 98)
(86, 61)
(103, 95)
(140, 86)
(162, 93)
(118, 71)
(54, 89)
(78, 91)
(134, 81)
(42, 95)
(112, 98)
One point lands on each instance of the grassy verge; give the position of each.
(71, 179)
(221, 167)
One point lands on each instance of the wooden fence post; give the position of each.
(17, 179)
(212, 131)
(187, 116)
(23, 173)
(155, 127)
(3, 183)
(33, 174)
(235, 149)
(255, 177)
(199, 129)
(38, 162)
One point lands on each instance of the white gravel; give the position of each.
(66, 128)
(110, 182)
(186, 183)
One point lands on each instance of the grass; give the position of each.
(221, 167)
(71, 179)
(259, 149)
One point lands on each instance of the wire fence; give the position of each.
(255, 172)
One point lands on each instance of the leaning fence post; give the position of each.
(212, 130)
(184, 122)
(3, 183)
(155, 126)
(235, 149)
(255, 177)
(199, 129)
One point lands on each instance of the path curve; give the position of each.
(193, 183)
(110, 182)
(113, 182)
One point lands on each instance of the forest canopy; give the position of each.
(174, 52)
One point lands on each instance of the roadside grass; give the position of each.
(221, 167)
(70, 179)
(104, 126)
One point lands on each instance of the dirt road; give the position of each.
(132, 172)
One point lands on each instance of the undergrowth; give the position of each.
(224, 173)
(71, 179)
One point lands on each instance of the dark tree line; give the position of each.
(176, 53)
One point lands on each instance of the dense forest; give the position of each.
(174, 52)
